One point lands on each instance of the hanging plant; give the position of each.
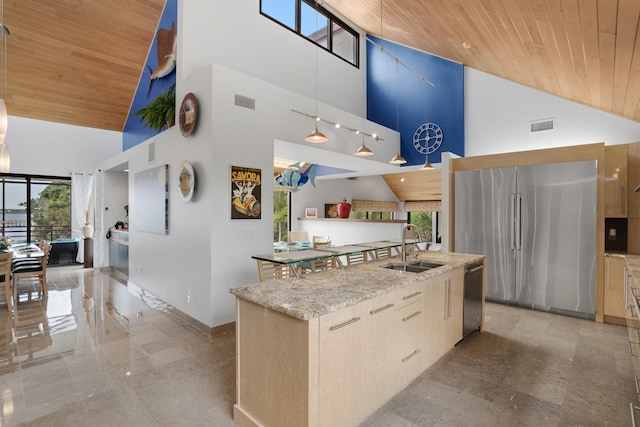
(160, 114)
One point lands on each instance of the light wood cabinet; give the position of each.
(337, 369)
(615, 296)
(616, 185)
(341, 379)
(454, 295)
(379, 334)
(633, 164)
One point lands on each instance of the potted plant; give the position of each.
(160, 114)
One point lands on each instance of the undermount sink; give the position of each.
(413, 267)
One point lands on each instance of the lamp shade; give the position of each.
(363, 151)
(398, 160)
(316, 137)
(3, 117)
(5, 160)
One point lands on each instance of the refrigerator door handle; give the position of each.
(518, 221)
(512, 216)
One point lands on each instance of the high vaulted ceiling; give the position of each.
(79, 61)
(586, 51)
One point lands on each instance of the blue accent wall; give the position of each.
(134, 130)
(417, 102)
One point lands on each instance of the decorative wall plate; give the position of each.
(187, 181)
(188, 114)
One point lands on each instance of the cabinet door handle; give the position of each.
(626, 285)
(608, 274)
(378, 310)
(446, 299)
(633, 413)
(415, 352)
(411, 316)
(631, 353)
(343, 324)
(415, 294)
(637, 388)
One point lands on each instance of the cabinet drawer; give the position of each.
(409, 295)
(410, 345)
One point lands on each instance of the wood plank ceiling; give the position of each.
(78, 61)
(586, 51)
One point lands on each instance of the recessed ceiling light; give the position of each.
(466, 45)
(403, 179)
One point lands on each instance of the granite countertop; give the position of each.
(316, 294)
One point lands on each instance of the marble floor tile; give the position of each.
(92, 353)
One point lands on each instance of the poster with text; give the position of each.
(246, 193)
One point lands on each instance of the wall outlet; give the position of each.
(189, 296)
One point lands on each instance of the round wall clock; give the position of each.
(187, 181)
(188, 114)
(427, 138)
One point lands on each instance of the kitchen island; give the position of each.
(329, 348)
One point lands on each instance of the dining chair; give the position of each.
(321, 242)
(382, 253)
(34, 261)
(357, 258)
(298, 236)
(268, 270)
(322, 264)
(32, 273)
(5, 277)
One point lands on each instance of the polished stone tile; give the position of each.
(93, 353)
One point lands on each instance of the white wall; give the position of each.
(333, 191)
(235, 34)
(498, 115)
(46, 148)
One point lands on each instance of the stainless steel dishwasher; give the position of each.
(472, 312)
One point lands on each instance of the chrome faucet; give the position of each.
(404, 239)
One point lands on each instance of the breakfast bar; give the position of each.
(329, 348)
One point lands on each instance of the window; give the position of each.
(312, 21)
(427, 223)
(35, 207)
(281, 202)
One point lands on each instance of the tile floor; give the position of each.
(98, 353)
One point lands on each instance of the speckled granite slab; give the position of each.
(317, 294)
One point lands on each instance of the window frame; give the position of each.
(331, 20)
(28, 181)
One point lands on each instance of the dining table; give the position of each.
(294, 258)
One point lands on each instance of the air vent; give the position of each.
(542, 125)
(152, 152)
(245, 102)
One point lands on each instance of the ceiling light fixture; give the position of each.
(363, 150)
(397, 159)
(374, 136)
(5, 159)
(427, 166)
(316, 136)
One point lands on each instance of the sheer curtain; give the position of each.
(81, 202)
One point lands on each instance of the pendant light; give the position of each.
(397, 159)
(316, 136)
(4, 150)
(427, 166)
(363, 151)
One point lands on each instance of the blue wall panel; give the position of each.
(134, 131)
(399, 99)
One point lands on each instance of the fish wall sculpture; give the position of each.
(292, 177)
(167, 47)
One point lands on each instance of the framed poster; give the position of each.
(311, 213)
(246, 193)
(331, 210)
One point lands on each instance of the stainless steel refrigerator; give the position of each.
(537, 227)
